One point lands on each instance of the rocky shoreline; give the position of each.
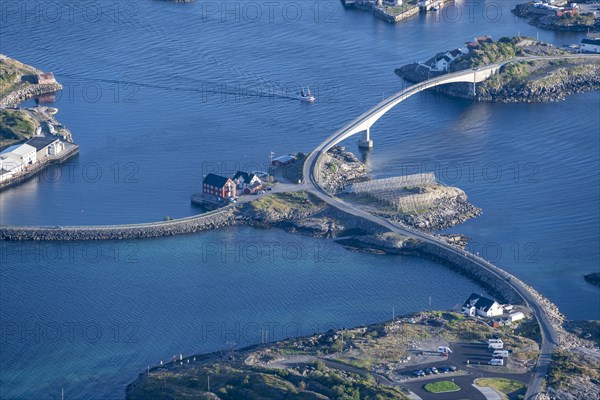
(27, 91)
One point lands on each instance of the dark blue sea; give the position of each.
(158, 94)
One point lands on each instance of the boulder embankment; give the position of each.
(26, 92)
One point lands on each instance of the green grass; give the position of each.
(11, 72)
(442, 387)
(15, 125)
(285, 202)
(505, 386)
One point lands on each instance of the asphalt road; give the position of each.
(548, 334)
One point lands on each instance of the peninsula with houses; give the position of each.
(30, 138)
(525, 81)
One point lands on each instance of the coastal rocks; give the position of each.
(340, 169)
(450, 209)
(553, 83)
(27, 91)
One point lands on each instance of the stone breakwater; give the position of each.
(27, 91)
(320, 222)
(390, 243)
(120, 232)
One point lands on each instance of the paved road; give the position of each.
(311, 171)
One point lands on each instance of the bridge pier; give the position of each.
(366, 142)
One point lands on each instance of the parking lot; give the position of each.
(471, 362)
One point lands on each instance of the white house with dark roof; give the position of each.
(441, 63)
(244, 179)
(482, 306)
(26, 153)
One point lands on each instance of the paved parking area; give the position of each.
(476, 354)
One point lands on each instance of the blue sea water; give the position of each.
(158, 94)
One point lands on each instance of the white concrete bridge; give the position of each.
(474, 76)
(312, 167)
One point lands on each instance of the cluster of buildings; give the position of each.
(219, 188)
(478, 305)
(222, 188)
(441, 62)
(548, 7)
(19, 157)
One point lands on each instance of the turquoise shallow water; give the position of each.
(166, 93)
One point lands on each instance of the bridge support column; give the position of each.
(366, 142)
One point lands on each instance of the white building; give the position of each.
(482, 306)
(46, 146)
(517, 316)
(441, 63)
(26, 153)
(10, 164)
(590, 45)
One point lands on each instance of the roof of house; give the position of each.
(216, 180)
(591, 41)
(484, 39)
(247, 178)
(455, 52)
(476, 300)
(39, 142)
(19, 149)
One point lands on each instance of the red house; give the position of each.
(218, 186)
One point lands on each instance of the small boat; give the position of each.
(306, 95)
(436, 7)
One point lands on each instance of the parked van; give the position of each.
(444, 349)
(490, 341)
(500, 353)
(496, 361)
(496, 346)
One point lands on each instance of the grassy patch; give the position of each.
(442, 387)
(285, 202)
(15, 125)
(11, 72)
(512, 389)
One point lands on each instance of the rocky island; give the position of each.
(530, 81)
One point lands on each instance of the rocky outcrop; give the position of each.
(27, 91)
(340, 169)
(545, 84)
(450, 209)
